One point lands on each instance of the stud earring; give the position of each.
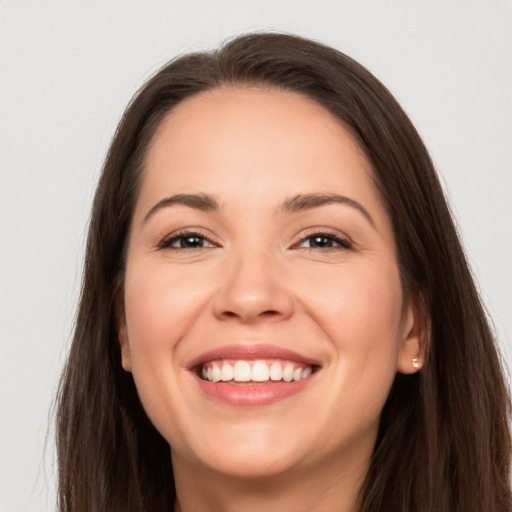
(416, 362)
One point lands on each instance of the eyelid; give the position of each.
(340, 238)
(166, 241)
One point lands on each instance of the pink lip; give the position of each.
(252, 395)
(245, 394)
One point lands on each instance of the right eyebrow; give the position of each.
(203, 202)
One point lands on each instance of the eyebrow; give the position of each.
(300, 202)
(307, 201)
(203, 202)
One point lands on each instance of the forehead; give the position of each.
(254, 143)
(253, 116)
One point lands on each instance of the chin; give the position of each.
(249, 451)
(245, 464)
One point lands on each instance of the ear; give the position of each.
(414, 336)
(122, 335)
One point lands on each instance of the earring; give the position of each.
(416, 362)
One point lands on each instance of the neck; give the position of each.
(320, 489)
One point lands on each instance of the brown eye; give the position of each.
(186, 241)
(321, 241)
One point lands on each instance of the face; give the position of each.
(263, 306)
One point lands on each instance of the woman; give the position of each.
(276, 310)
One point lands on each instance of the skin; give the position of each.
(257, 277)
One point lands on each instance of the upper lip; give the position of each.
(249, 352)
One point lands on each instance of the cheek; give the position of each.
(363, 320)
(360, 311)
(361, 304)
(160, 306)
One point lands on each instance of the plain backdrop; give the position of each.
(68, 69)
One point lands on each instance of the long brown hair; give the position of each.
(443, 443)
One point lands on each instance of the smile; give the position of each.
(253, 375)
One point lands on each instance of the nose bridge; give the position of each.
(253, 286)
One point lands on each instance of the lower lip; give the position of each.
(252, 395)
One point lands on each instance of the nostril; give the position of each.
(269, 312)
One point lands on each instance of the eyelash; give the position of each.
(167, 243)
(343, 243)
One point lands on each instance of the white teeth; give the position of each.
(226, 373)
(276, 372)
(306, 372)
(288, 373)
(260, 372)
(254, 371)
(215, 373)
(242, 371)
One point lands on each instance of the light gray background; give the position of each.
(67, 70)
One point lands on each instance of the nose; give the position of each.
(253, 289)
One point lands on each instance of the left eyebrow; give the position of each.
(302, 202)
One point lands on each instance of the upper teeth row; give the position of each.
(241, 371)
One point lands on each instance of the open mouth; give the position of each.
(254, 371)
(253, 375)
